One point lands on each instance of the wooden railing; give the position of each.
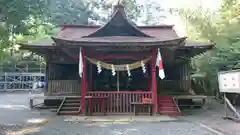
(120, 102)
(63, 86)
(176, 104)
(59, 108)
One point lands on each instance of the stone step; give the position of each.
(71, 104)
(72, 101)
(168, 109)
(47, 107)
(53, 110)
(170, 113)
(67, 108)
(68, 112)
(167, 105)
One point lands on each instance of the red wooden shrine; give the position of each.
(119, 41)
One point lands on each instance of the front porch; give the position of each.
(118, 102)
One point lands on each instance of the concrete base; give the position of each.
(119, 118)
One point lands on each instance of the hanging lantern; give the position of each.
(113, 70)
(143, 67)
(99, 67)
(128, 70)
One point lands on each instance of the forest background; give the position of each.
(36, 20)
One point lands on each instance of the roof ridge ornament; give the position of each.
(120, 2)
(120, 23)
(119, 7)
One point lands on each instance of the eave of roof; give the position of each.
(98, 26)
(79, 32)
(45, 43)
(119, 41)
(196, 48)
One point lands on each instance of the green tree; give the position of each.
(72, 11)
(85, 12)
(221, 28)
(12, 15)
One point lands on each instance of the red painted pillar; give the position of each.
(154, 81)
(83, 82)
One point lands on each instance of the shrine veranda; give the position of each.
(119, 61)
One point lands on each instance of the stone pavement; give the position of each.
(211, 116)
(15, 116)
(119, 118)
(122, 128)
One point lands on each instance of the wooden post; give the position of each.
(154, 81)
(83, 82)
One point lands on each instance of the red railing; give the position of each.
(120, 102)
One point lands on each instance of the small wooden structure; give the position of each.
(119, 41)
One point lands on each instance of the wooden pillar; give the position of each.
(47, 75)
(83, 82)
(154, 81)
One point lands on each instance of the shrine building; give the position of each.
(117, 66)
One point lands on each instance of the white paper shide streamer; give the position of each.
(113, 70)
(99, 69)
(80, 70)
(128, 70)
(143, 67)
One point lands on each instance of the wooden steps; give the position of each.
(69, 106)
(47, 107)
(167, 106)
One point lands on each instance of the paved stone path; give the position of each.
(211, 115)
(15, 113)
(123, 128)
(119, 118)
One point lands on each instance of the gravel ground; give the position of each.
(163, 128)
(211, 115)
(15, 113)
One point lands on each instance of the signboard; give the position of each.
(229, 81)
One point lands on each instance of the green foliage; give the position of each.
(12, 15)
(85, 12)
(132, 10)
(221, 28)
(34, 20)
(72, 11)
(36, 30)
(15, 21)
